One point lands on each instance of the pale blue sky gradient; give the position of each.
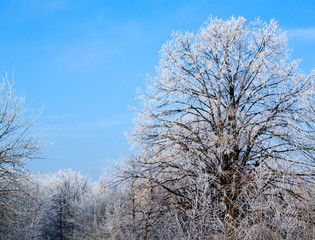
(83, 60)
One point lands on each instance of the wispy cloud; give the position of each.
(61, 116)
(69, 125)
(302, 34)
(49, 6)
(80, 55)
(101, 124)
(110, 121)
(32, 9)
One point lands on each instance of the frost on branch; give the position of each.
(227, 101)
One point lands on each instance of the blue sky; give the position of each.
(80, 62)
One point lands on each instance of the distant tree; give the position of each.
(18, 144)
(226, 108)
(61, 195)
(92, 213)
(69, 206)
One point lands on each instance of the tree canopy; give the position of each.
(227, 104)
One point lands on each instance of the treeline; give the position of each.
(65, 205)
(224, 149)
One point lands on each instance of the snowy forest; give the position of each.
(223, 149)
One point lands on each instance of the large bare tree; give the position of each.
(227, 104)
(18, 144)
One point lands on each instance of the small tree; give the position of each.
(18, 144)
(62, 195)
(227, 102)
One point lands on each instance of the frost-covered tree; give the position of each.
(62, 192)
(18, 144)
(69, 206)
(227, 102)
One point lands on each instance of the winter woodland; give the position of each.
(223, 149)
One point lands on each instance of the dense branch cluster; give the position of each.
(18, 144)
(226, 108)
(224, 149)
